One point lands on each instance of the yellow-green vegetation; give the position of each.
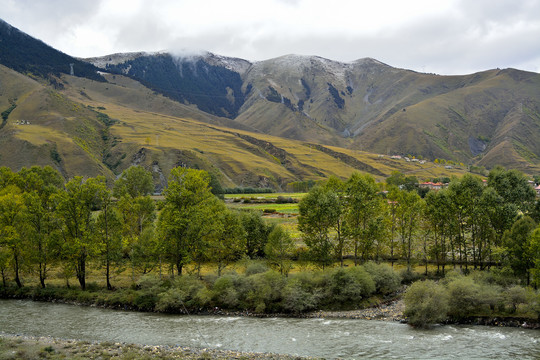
(65, 130)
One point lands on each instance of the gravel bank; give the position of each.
(29, 347)
(392, 311)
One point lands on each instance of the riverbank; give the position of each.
(391, 311)
(30, 347)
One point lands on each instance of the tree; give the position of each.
(438, 213)
(226, 238)
(408, 212)
(513, 186)
(516, 242)
(337, 214)
(257, 232)
(364, 215)
(137, 214)
(74, 206)
(318, 210)
(135, 181)
(501, 217)
(12, 227)
(188, 204)
(42, 232)
(534, 253)
(41, 185)
(403, 182)
(465, 195)
(279, 249)
(108, 228)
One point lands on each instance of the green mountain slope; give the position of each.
(90, 128)
(266, 123)
(368, 105)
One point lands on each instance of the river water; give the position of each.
(328, 338)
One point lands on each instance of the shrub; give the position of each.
(224, 293)
(426, 303)
(514, 296)
(387, 281)
(409, 276)
(297, 298)
(464, 297)
(349, 286)
(256, 267)
(185, 293)
(146, 301)
(267, 292)
(490, 295)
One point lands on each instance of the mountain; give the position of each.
(486, 118)
(27, 55)
(270, 123)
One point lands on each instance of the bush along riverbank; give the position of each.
(372, 291)
(479, 298)
(257, 291)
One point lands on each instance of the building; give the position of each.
(431, 185)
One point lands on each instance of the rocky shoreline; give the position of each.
(391, 311)
(31, 347)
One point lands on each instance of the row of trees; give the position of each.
(469, 223)
(46, 223)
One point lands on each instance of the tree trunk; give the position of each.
(81, 271)
(109, 286)
(16, 268)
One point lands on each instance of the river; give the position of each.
(328, 338)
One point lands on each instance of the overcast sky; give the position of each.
(439, 36)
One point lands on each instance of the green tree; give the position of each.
(501, 217)
(516, 242)
(513, 186)
(279, 249)
(465, 195)
(364, 215)
(75, 206)
(4, 264)
(108, 231)
(408, 212)
(135, 181)
(257, 232)
(534, 251)
(408, 183)
(42, 232)
(318, 212)
(338, 213)
(137, 214)
(12, 227)
(189, 204)
(438, 213)
(227, 238)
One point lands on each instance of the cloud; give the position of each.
(446, 36)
